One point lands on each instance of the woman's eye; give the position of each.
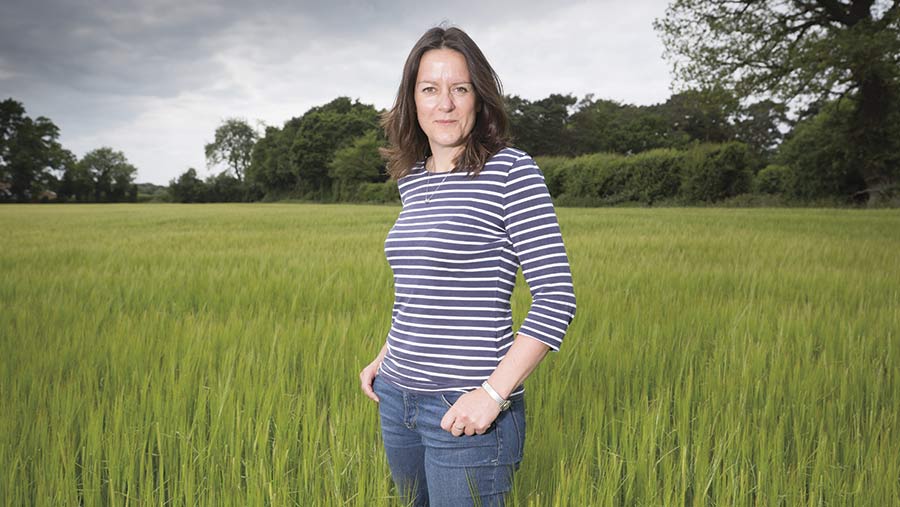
(461, 90)
(428, 89)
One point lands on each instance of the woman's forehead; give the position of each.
(443, 64)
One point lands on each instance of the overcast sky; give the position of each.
(154, 78)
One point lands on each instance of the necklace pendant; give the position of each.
(433, 192)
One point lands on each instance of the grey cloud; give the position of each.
(107, 48)
(161, 48)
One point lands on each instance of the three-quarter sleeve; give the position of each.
(533, 230)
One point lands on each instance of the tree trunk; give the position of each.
(869, 132)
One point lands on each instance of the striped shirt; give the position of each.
(454, 250)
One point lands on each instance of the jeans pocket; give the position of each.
(450, 398)
(501, 444)
(464, 450)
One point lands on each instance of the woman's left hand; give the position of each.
(472, 414)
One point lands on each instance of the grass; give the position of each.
(208, 355)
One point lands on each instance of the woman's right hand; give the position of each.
(367, 375)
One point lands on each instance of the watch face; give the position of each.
(505, 405)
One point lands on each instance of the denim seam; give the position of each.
(406, 419)
(494, 480)
(518, 432)
(499, 446)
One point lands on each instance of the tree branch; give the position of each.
(836, 11)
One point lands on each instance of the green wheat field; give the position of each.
(209, 354)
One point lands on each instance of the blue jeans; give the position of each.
(432, 467)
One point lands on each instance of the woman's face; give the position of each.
(446, 104)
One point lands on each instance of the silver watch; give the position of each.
(504, 404)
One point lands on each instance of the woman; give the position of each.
(449, 377)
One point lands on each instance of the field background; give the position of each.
(208, 355)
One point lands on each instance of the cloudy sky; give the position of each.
(154, 78)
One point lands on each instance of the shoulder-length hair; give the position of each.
(407, 142)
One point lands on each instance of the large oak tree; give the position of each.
(800, 51)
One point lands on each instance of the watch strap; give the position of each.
(504, 404)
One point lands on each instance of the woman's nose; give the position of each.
(446, 101)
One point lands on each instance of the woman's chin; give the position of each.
(448, 141)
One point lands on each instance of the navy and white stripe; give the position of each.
(455, 260)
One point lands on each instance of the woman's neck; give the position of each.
(441, 161)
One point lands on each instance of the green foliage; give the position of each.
(233, 144)
(608, 126)
(296, 158)
(321, 132)
(553, 169)
(540, 127)
(759, 127)
(360, 162)
(111, 174)
(772, 179)
(713, 172)
(555, 125)
(77, 183)
(654, 175)
(31, 157)
(703, 173)
(702, 114)
(272, 167)
(29, 151)
(799, 48)
(188, 187)
(693, 115)
(222, 187)
(809, 49)
(820, 157)
(149, 192)
(590, 176)
(385, 192)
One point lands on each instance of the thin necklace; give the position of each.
(428, 197)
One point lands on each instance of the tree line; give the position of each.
(35, 167)
(331, 152)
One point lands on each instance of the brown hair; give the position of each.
(407, 142)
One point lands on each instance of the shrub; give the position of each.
(386, 192)
(654, 175)
(772, 179)
(589, 176)
(712, 172)
(820, 156)
(704, 173)
(554, 172)
(354, 165)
